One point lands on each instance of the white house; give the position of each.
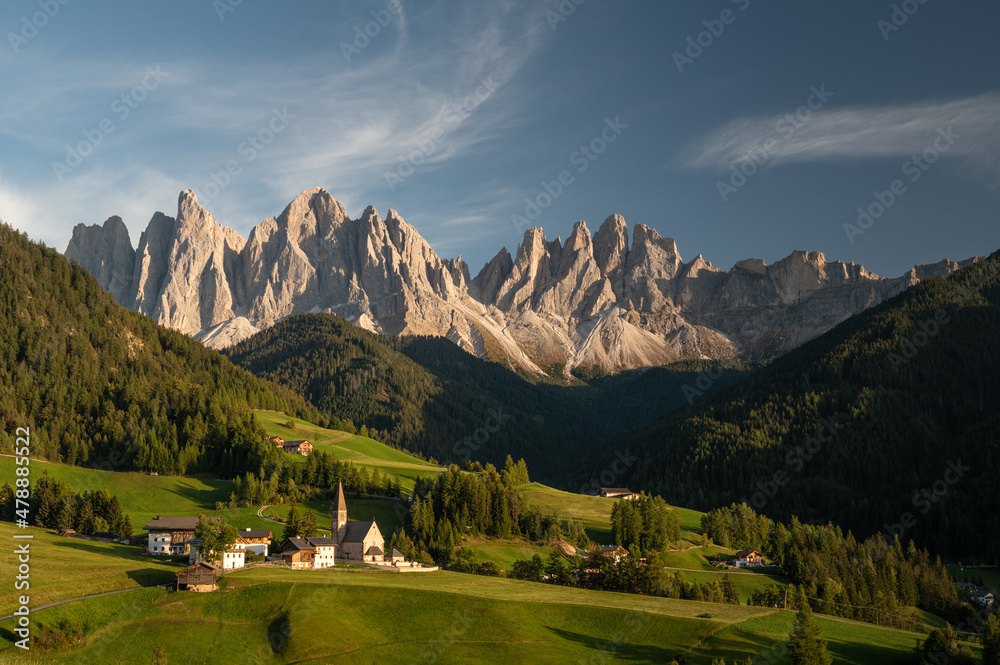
(747, 559)
(234, 558)
(254, 540)
(171, 535)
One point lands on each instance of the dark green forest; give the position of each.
(888, 423)
(872, 580)
(428, 396)
(98, 384)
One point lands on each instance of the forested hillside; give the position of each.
(428, 396)
(890, 422)
(96, 383)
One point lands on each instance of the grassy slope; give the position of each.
(350, 616)
(595, 512)
(57, 567)
(359, 450)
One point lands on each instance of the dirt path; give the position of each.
(73, 600)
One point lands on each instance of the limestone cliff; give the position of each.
(592, 301)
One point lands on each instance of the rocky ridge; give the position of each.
(594, 301)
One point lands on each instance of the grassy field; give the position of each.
(364, 616)
(595, 512)
(63, 568)
(358, 450)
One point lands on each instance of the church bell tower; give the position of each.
(338, 515)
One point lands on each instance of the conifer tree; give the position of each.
(991, 641)
(293, 525)
(804, 644)
(309, 529)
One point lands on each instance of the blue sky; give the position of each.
(738, 127)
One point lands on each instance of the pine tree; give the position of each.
(991, 641)
(309, 529)
(804, 644)
(729, 591)
(293, 525)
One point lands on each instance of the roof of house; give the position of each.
(616, 490)
(201, 564)
(374, 550)
(611, 548)
(742, 554)
(396, 554)
(254, 533)
(356, 531)
(321, 541)
(297, 543)
(296, 443)
(174, 523)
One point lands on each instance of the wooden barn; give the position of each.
(199, 577)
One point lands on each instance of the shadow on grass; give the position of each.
(199, 498)
(151, 576)
(621, 650)
(129, 552)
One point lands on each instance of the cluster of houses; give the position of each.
(350, 543)
(617, 493)
(300, 447)
(977, 594)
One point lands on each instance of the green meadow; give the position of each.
(358, 450)
(350, 615)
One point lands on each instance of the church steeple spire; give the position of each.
(339, 515)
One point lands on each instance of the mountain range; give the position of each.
(596, 302)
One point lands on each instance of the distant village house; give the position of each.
(746, 559)
(618, 493)
(198, 577)
(171, 535)
(302, 447)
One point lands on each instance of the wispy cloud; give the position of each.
(352, 121)
(856, 133)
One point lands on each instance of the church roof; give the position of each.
(356, 531)
(374, 550)
(341, 502)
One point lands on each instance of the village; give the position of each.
(351, 543)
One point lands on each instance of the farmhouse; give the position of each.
(314, 553)
(199, 577)
(984, 597)
(746, 559)
(276, 440)
(171, 535)
(255, 540)
(302, 447)
(617, 493)
(616, 552)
